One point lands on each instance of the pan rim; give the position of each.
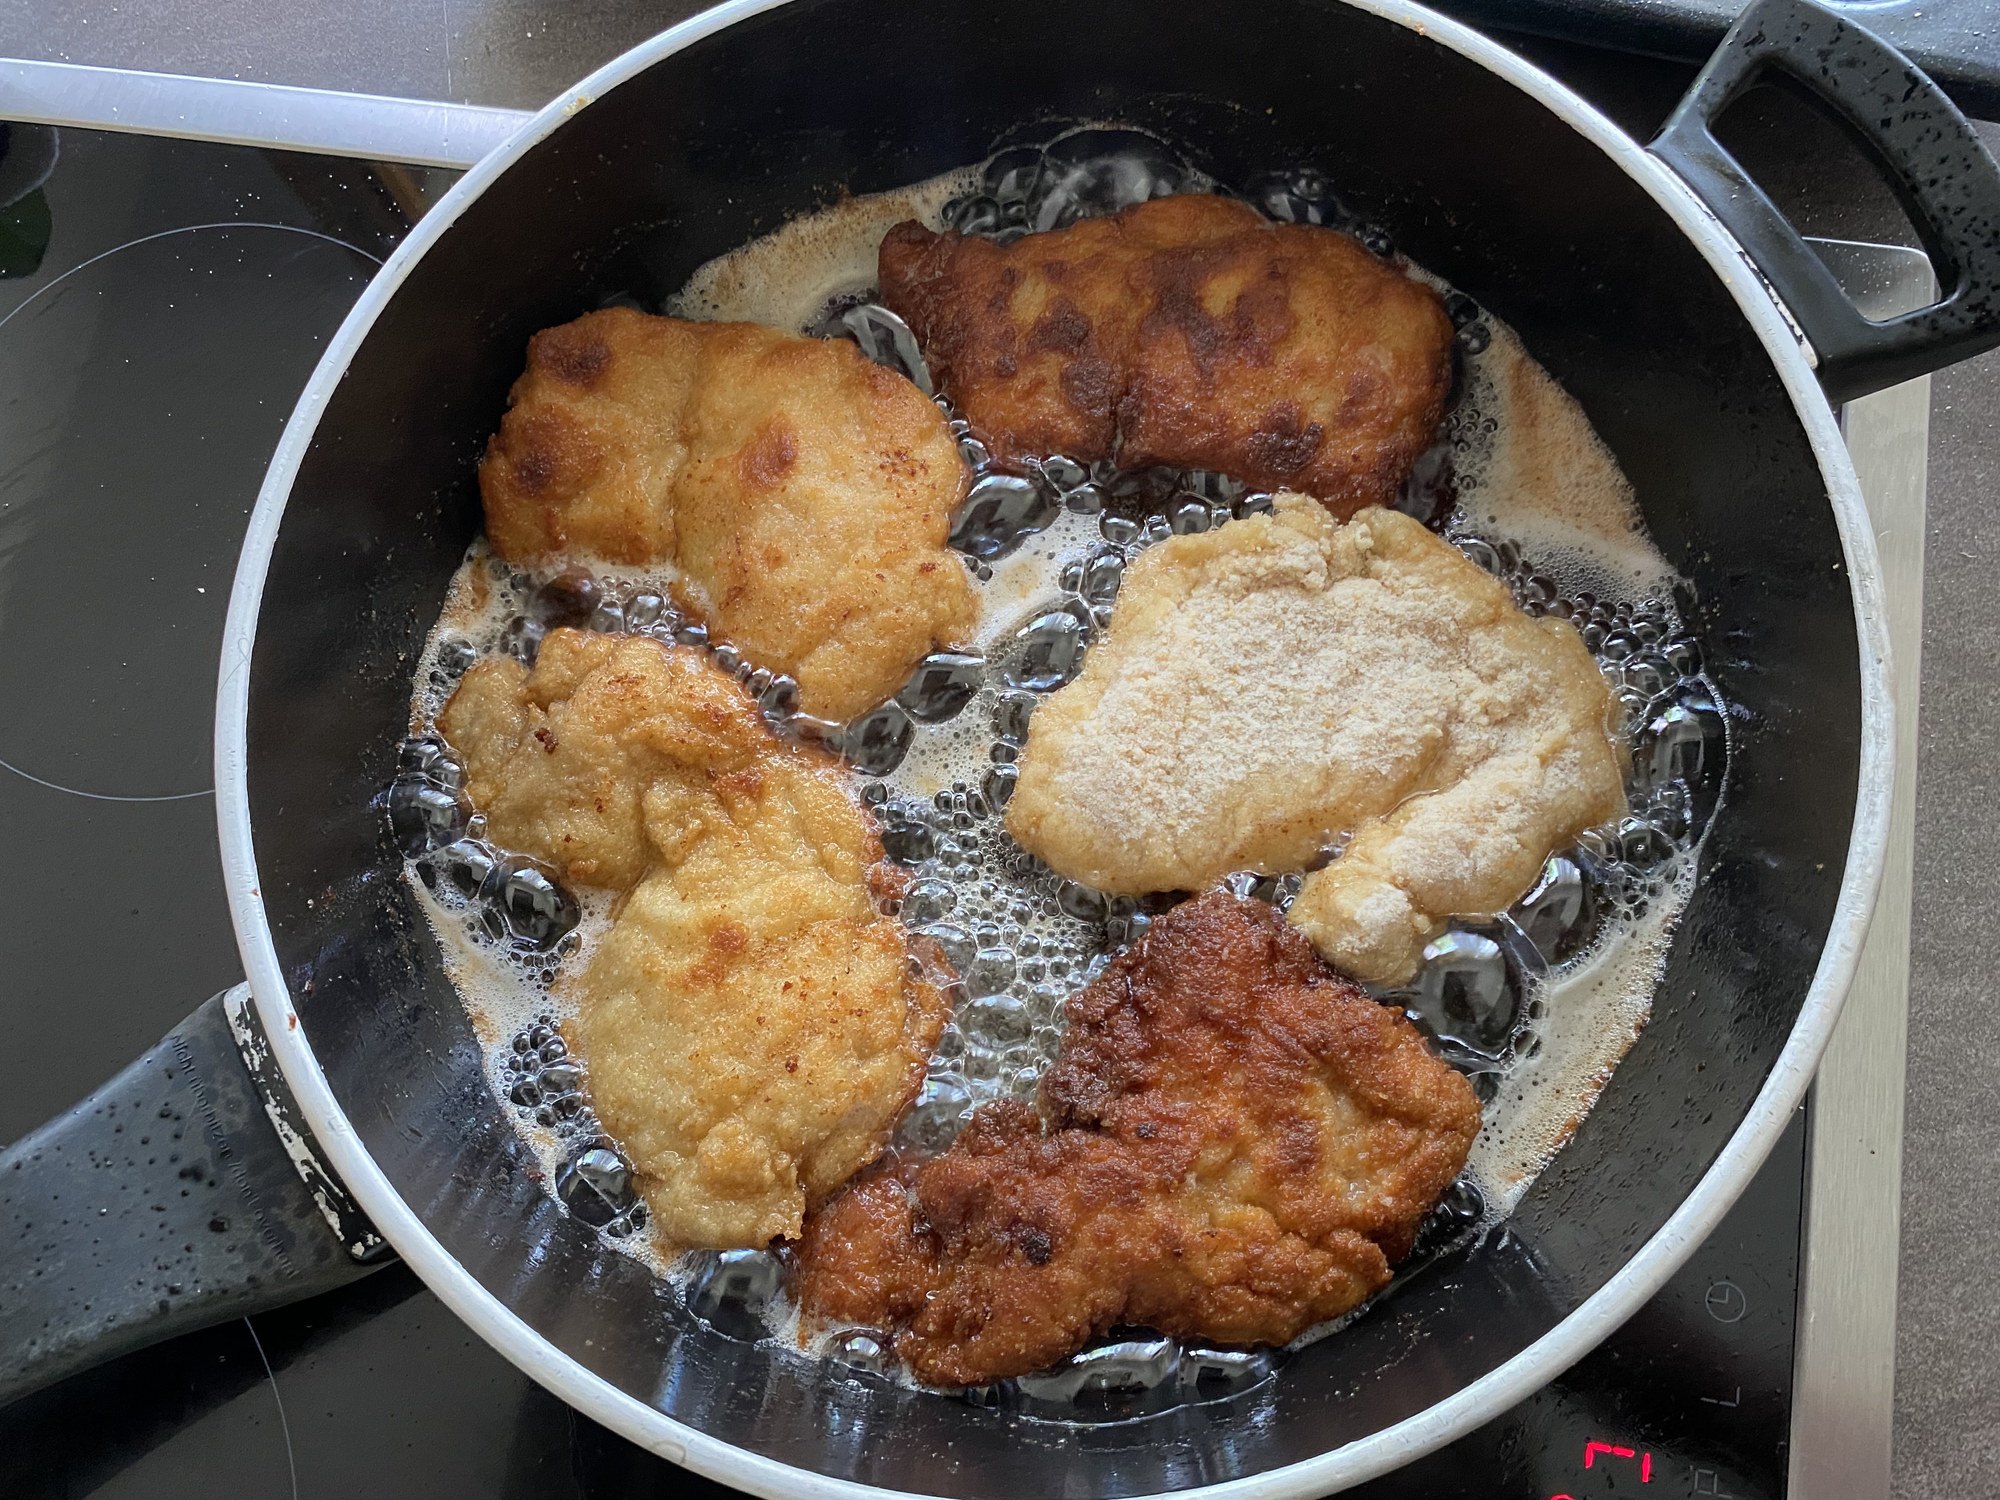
(1445, 1421)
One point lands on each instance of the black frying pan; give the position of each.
(167, 1200)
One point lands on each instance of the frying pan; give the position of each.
(1701, 336)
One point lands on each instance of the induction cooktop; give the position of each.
(162, 301)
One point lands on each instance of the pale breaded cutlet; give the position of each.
(752, 1025)
(1284, 683)
(1235, 1145)
(1186, 331)
(803, 492)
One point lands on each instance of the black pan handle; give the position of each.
(1945, 177)
(165, 1202)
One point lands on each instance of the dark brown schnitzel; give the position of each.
(1184, 331)
(1238, 1145)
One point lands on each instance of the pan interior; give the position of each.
(784, 112)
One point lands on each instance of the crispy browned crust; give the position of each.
(804, 492)
(1184, 331)
(1238, 1146)
(753, 1025)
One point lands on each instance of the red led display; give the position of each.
(1593, 1451)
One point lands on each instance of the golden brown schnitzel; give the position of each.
(1184, 331)
(1278, 684)
(803, 492)
(751, 1025)
(1238, 1145)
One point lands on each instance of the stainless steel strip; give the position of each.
(421, 132)
(1844, 1374)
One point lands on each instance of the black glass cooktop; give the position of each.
(161, 305)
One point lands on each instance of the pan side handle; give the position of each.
(1917, 138)
(165, 1202)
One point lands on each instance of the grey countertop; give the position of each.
(511, 53)
(1948, 1329)
(518, 53)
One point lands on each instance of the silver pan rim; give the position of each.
(1366, 1458)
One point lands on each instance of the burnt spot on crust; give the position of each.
(1062, 327)
(1005, 359)
(534, 467)
(572, 354)
(1091, 385)
(768, 457)
(1259, 318)
(1282, 443)
(545, 451)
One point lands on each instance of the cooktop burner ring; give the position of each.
(144, 393)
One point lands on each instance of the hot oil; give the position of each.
(515, 989)
(1532, 495)
(787, 278)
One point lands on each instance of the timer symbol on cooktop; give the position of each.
(1725, 1302)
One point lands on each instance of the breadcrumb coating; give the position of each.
(803, 492)
(1283, 683)
(1238, 1145)
(750, 1026)
(1185, 331)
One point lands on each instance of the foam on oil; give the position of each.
(1529, 471)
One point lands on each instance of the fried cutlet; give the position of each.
(1282, 682)
(750, 1025)
(1184, 331)
(803, 492)
(1238, 1144)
